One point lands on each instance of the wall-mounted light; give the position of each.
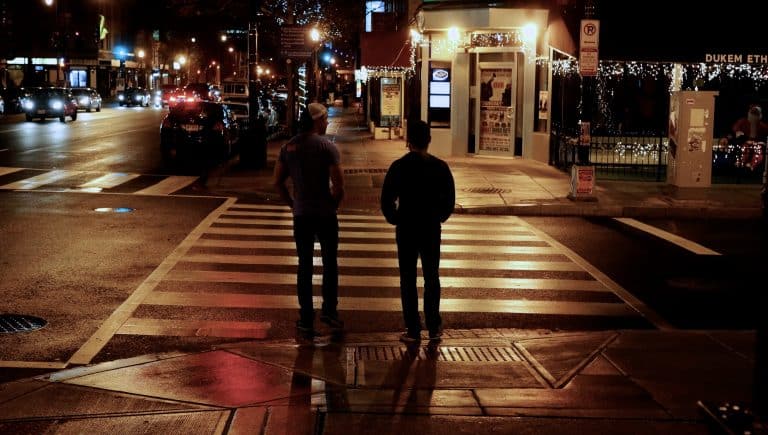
(529, 32)
(454, 34)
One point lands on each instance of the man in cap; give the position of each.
(311, 161)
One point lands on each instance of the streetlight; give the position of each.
(141, 54)
(314, 35)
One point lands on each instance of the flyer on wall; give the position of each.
(496, 111)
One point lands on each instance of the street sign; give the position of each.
(589, 44)
(293, 43)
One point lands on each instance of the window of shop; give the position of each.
(78, 78)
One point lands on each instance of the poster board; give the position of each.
(497, 113)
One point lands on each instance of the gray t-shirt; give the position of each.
(308, 158)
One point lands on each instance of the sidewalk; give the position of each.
(498, 185)
(474, 382)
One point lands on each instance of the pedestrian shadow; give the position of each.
(317, 385)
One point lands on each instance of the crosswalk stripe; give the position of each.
(195, 328)
(384, 247)
(238, 300)
(383, 262)
(167, 186)
(343, 224)
(41, 180)
(387, 281)
(5, 171)
(109, 180)
(367, 235)
(284, 212)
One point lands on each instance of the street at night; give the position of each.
(601, 270)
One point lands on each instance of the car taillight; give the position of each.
(218, 127)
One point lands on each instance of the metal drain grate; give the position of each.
(12, 323)
(365, 171)
(440, 353)
(487, 190)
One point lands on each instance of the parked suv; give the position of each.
(50, 103)
(202, 131)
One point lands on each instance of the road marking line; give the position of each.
(195, 328)
(374, 247)
(40, 180)
(510, 306)
(4, 171)
(109, 327)
(3, 150)
(387, 281)
(109, 180)
(447, 227)
(368, 235)
(167, 186)
(672, 238)
(630, 299)
(292, 260)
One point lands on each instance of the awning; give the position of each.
(385, 49)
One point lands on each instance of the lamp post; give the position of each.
(314, 36)
(141, 54)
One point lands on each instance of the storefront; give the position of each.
(480, 85)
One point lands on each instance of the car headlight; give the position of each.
(57, 105)
(121, 97)
(84, 101)
(29, 105)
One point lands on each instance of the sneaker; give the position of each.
(304, 331)
(409, 338)
(332, 321)
(436, 335)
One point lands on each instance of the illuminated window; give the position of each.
(370, 8)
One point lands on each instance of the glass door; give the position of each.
(495, 115)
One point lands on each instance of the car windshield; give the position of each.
(80, 92)
(48, 93)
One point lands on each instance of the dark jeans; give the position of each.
(326, 230)
(414, 242)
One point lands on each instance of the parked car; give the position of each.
(87, 99)
(50, 103)
(240, 113)
(13, 99)
(2, 105)
(134, 96)
(202, 131)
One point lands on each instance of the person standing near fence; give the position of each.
(418, 195)
(313, 164)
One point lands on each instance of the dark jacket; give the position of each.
(418, 190)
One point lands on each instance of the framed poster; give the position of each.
(497, 114)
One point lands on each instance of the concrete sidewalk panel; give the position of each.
(559, 358)
(62, 400)
(679, 368)
(178, 423)
(340, 424)
(405, 401)
(217, 378)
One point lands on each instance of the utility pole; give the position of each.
(255, 151)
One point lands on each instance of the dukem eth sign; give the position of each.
(735, 58)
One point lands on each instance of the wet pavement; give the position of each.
(474, 381)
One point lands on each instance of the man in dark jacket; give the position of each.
(417, 196)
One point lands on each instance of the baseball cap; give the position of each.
(317, 110)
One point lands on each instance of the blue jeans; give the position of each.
(414, 242)
(326, 230)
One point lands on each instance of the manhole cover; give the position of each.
(486, 190)
(441, 353)
(11, 323)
